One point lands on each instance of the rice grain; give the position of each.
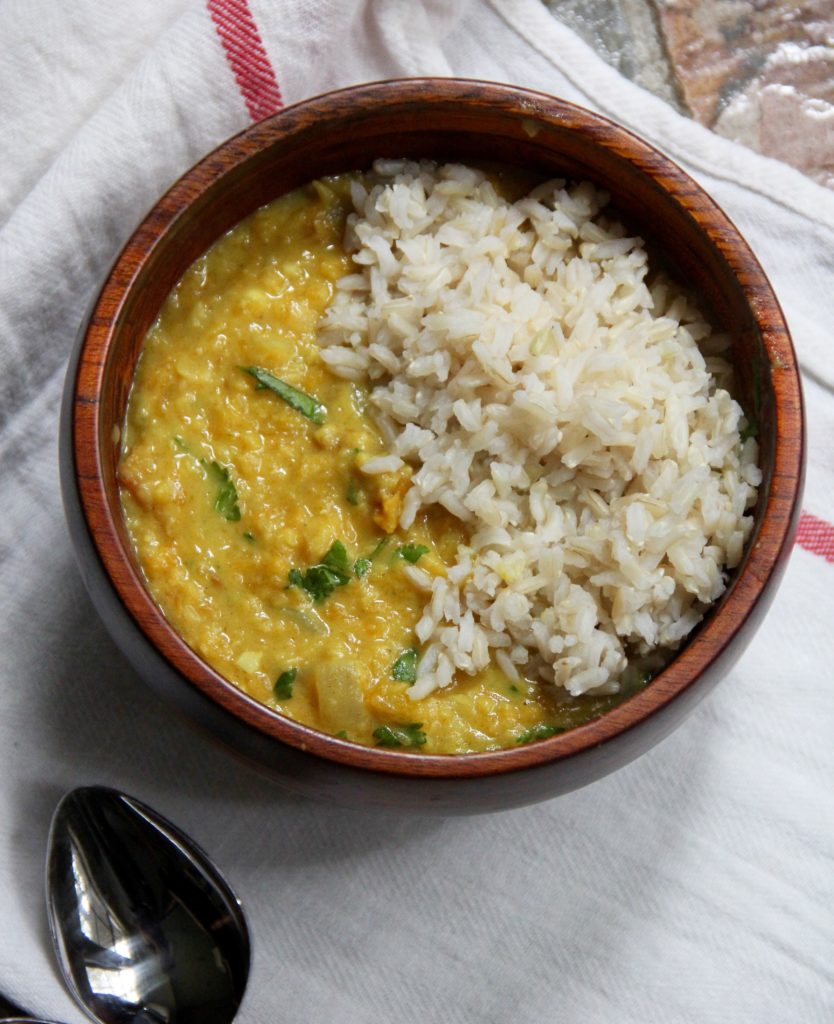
(552, 395)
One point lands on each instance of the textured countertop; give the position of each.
(759, 73)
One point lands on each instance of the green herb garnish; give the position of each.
(404, 669)
(226, 501)
(337, 558)
(283, 684)
(539, 732)
(249, 536)
(341, 734)
(364, 565)
(334, 570)
(412, 552)
(321, 580)
(298, 400)
(379, 548)
(354, 493)
(410, 735)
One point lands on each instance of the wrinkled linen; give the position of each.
(695, 885)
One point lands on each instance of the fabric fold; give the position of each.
(693, 885)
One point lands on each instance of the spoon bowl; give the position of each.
(145, 927)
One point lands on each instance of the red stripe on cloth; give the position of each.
(247, 57)
(816, 536)
(258, 85)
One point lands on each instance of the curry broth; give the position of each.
(230, 493)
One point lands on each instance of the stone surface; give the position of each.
(761, 73)
(626, 34)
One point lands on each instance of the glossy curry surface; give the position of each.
(266, 546)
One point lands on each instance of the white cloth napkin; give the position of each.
(696, 885)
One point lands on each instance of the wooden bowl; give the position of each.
(346, 130)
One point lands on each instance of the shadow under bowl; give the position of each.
(440, 119)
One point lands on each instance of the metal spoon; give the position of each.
(145, 928)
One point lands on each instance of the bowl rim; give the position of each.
(770, 544)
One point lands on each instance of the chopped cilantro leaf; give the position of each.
(354, 493)
(298, 400)
(412, 552)
(404, 669)
(410, 735)
(341, 734)
(283, 684)
(225, 501)
(379, 548)
(364, 565)
(539, 732)
(334, 570)
(321, 580)
(249, 536)
(337, 558)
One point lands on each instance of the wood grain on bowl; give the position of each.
(441, 119)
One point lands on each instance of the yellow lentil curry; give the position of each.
(276, 559)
